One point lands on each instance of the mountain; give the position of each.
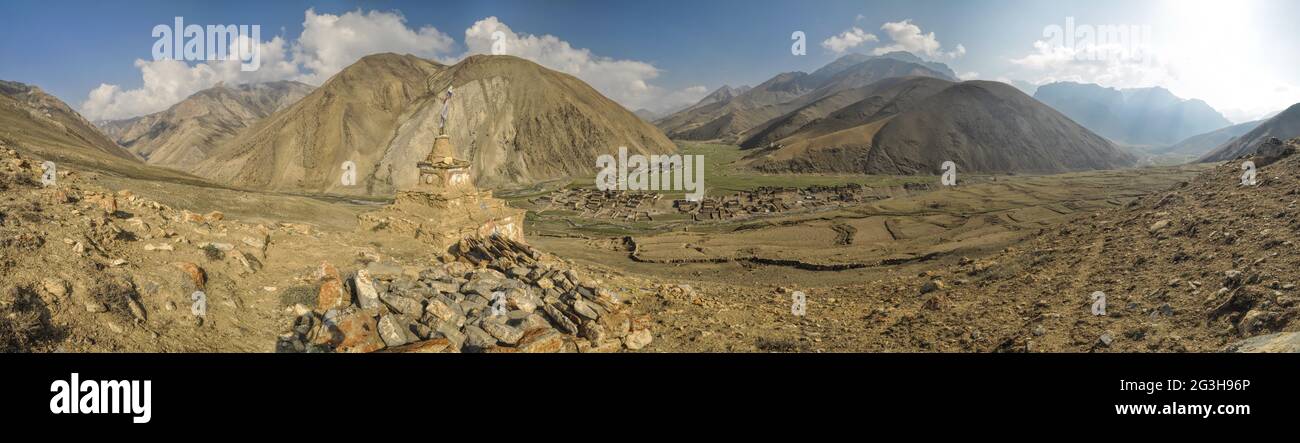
(1142, 116)
(516, 121)
(183, 135)
(844, 109)
(912, 58)
(734, 119)
(39, 124)
(1283, 126)
(646, 114)
(1199, 145)
(913, 126)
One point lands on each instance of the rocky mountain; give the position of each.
(39, 124)
(516, 121)
(914, 125)
(1201, 144)
(844, 109)
(735, 120)
(1142, 116)
(183, 135)
(1283, 126)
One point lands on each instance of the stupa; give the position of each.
(444, 205)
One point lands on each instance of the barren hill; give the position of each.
(183, 135)
(741, 116)
(1195, 268)
(517, 121)
(1201, 144)
(43, 125)
(1284, 126)
(845, 109)
(982, 126)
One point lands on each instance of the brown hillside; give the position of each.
(517, 121)
(183, 135)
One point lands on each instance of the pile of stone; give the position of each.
(493, 295)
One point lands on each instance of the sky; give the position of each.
(98, 56)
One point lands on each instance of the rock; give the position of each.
(560, 321)
(1157, 226)
(430, 346)
(190, 217)
(1106, 339)
(331, 295)
(482, 286)
(443, 309)
(444, 287)
(55, 287)
(476, 338)
(638, 339)
(196, 274)
(254, 243)
(159, 247)
(403, 305)
(545, 283)
(214, 216)
(593, 331)
(137, 310)
(519, 299)
(1232, 279)
(581, 308)
(541, 340)
(1256, 321)
(394, 331)
(360, 333)
(931, 286)
(95, 307)
(503, 332)
(1283, 342)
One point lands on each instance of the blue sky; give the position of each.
(97, 55)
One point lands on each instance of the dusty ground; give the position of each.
(1005, 265)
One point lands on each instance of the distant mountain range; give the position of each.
(732, 114)
(1142, 117)
(912, 125)
(183, 135)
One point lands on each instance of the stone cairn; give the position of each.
(495, 295)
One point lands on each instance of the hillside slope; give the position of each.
(982, 126)
(1285, 125)
(516, 121)
(183, 135)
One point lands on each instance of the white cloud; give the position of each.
(1088, 63)
(329, 43)
(166, 82)
(906, 36)
(848, 39)
(627, 82)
